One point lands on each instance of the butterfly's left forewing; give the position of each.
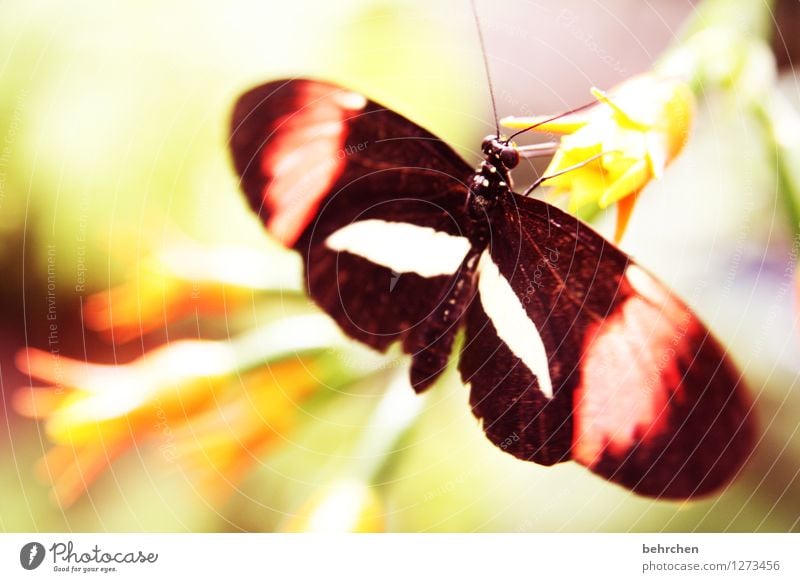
(374, 203)
(574, 352)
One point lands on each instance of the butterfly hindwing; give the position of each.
(574, 352)
(374, 203)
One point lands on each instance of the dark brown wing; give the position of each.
(575, 352)
(373, 202)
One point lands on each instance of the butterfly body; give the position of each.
(491, 182)
(571, 351)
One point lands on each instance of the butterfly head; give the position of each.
(499, 151)
(492, 179)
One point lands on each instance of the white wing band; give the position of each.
(402, 247)
(512, 323)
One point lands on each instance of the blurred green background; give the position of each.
(113, 131)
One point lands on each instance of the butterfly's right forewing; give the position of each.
(575, 352)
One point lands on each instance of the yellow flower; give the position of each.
(186, 399)
(634, 131)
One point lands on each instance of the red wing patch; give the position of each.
(288, 140)
(635, 346)
(654, 409)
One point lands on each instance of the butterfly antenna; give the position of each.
(486, 67)
(577, 166)
(554, 118)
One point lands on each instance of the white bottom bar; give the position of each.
(402, 557)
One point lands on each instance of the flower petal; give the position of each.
(561, 126)
(628, 183)
(624, 211)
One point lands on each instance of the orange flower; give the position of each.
(181, 281)
(634, 132)
(190, 398)
(222, 443)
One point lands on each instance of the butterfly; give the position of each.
(571, 351)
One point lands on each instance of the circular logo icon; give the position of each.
(31, 555)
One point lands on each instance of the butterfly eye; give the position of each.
(487, 145)
(509, 156)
